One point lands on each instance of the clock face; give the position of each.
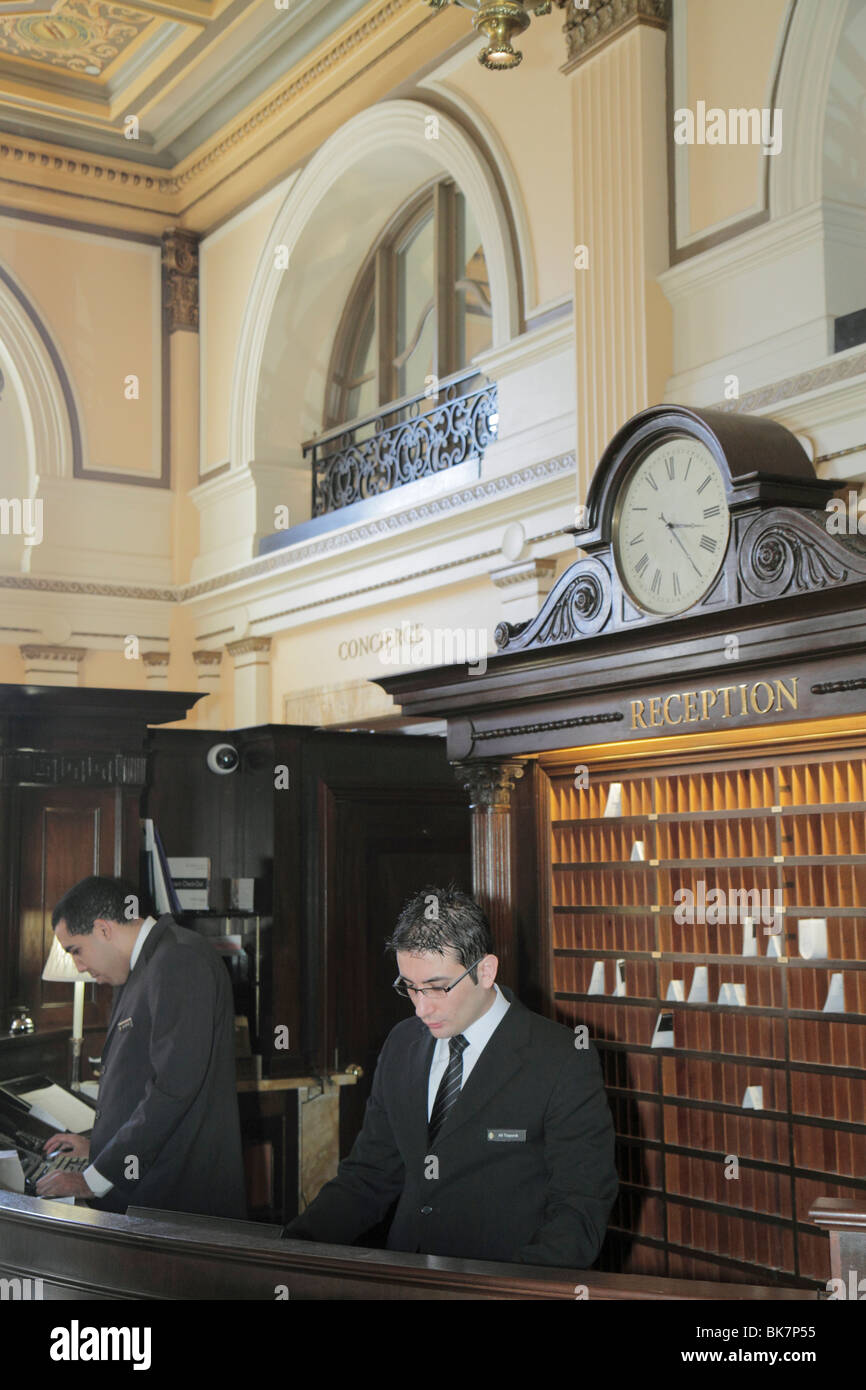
(671, 526)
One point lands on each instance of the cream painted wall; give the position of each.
(112, 671)
(731, 49)
(99, 298)
(227, 263)
(11, 666)
(323, 654)
(530, 112)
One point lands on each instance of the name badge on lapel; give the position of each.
(506, 1136)
(124, 1023)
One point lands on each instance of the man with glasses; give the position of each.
(488, 1125)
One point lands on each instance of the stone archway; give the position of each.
(332, 212)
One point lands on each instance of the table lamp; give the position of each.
(60, 969)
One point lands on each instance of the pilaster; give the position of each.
(623, 328)
(51, 665)
(252, 673)
(490, 785)
(208, 674)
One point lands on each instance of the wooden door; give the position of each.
(381, 848)
(66, 834)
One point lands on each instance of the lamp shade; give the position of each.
(60, 968)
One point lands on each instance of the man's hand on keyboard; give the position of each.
(63, 1185)
(74, 1144)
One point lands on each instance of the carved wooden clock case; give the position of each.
(777, 540)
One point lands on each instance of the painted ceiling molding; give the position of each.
(81, 36)
(240, 139)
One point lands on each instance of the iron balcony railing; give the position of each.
(409, 439)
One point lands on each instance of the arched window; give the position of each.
(420, 308)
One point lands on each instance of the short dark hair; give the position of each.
(436, 918)
(96, 897)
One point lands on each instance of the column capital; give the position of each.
(523, 572)
(246, 645)
(203, 657)
(489, 783)
(49, 664)
(588, 27)
(180, 279)
(155, 669)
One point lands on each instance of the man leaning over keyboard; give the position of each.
(167, 1131)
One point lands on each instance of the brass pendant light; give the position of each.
(500, 21)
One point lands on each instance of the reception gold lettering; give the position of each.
(761, 685)
(697, 706)
(790, 695)
(666, 710)
(708, 699)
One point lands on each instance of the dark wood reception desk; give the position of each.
(74, 1253)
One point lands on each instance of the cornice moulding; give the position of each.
(227, 484)
(523, 570)
(120, 183)
(548, 472)
(248, 645)
(35, 652)
(822, 389)
(764, 245)
(462, 506)
(536, 345)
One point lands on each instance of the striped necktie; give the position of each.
(449, 1087)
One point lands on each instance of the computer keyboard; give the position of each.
(35, 1164)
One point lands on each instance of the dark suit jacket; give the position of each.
(167, 1094)
(542, 1196)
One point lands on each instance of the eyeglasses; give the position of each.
(408, 991)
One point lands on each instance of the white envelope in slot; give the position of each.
(812, 938)
(699, 992)
(596, 984)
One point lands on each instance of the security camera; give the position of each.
(223, 758)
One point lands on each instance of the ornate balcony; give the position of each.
(409, 439)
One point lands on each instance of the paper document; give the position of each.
(11, 1172)
(54, 1106)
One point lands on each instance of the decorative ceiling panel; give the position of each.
(82, 36)
(73, 71)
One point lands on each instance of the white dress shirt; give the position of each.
(92, 1176)
(477, 1036)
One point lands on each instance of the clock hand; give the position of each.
(670, 525)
